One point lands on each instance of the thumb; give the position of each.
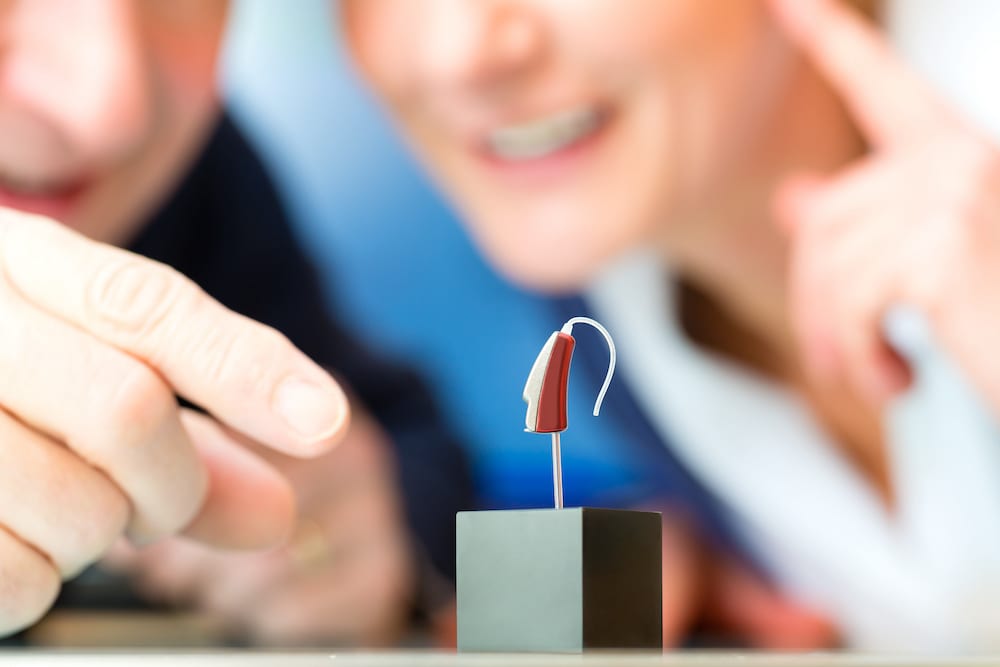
(794, 197)
(249, 504)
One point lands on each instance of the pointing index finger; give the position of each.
(891, 104)
(247, 375)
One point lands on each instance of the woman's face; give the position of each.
(567, 131)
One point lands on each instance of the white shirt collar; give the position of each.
(812, 518)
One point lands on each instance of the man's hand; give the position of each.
(346, 577)
(95, 344)
(916, 222)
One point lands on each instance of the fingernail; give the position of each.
(312, 411)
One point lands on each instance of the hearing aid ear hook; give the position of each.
(546, 392)
(568, 330)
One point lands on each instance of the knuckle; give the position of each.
(936, 253)
(28, 585)
(69, 510)
(107, 518)
(131, 296)
(133, 406)
(240, 358)
(16, 336)
(85, 515)
(974, 172)
(821, 227)
(973, 152)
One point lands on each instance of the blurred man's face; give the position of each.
(103, 103)
(569, 130)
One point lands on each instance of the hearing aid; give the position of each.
(558, 580)
(546, 391)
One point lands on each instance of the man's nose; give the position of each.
(477, 43)
(80, 67)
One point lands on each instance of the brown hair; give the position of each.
(870, 8)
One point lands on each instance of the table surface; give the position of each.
(33, 658)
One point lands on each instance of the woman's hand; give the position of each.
(724, 599)
(916, 222)
(95, 344)
(346, 577)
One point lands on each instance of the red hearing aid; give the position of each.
(545, 392)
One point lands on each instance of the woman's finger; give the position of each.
(843, 275)
(837, 200)
(868, 362)
(890, 102)
(809, 298)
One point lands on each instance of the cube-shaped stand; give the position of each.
(559, 580)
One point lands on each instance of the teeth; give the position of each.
(542, 137)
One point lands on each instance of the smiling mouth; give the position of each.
(544, 137)
(51, 199)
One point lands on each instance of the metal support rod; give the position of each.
(557, 471)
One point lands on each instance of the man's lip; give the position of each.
(57, 203)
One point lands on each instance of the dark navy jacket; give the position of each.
(226, 229)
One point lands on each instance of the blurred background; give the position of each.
(396, 264)
(399, 269)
